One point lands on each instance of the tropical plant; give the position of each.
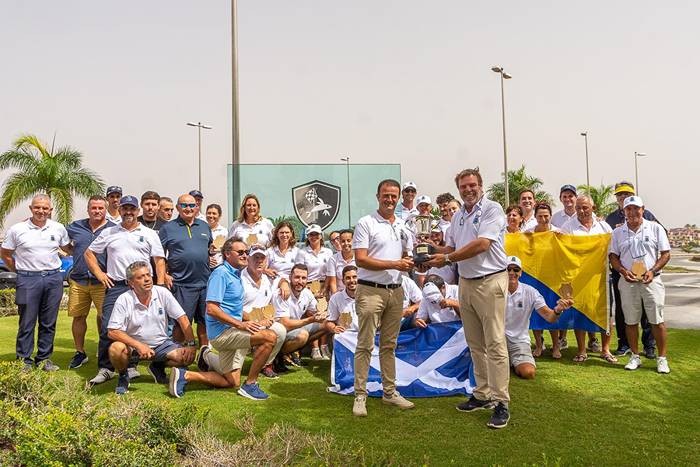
(518, 180)
(59, 174)
(296, 223)
(602, 198)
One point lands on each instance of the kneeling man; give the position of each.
(138, 328)
(522, 300)
(343, 303)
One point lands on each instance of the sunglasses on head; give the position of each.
(188, 205)
(514, 269)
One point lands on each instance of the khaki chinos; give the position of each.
(375, 307)
(482, 306)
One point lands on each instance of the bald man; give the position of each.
(186, 240)
(31, 250)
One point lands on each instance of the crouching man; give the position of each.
(522, 300)
(440, 303)
(341, 307)
(138, 328)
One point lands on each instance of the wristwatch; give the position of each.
(448, 262)
(190, 344)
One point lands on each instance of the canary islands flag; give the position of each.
(554, 262)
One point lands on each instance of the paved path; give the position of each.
(682, 300)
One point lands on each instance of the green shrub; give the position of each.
(7, 302)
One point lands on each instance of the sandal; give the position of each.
(537, 352)
(580, 358)
(608, 357)
(556, 354)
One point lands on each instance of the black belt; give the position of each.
(120, 283)
(481, 277)
(378, 286)
(38, 273)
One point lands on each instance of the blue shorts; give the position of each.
(193, 300)
(161, 351)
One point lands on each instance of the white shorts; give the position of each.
(638, 298)
(519, 353)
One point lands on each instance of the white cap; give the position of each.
(256, 250)
(409, 185)
(423, 199)
(432, 293)
(313, 228)
(515, 260)
(633, 201)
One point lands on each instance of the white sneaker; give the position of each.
(662, 365)
(316, 354)
(563, 344)
(133, 373)
(325, 353)
(634, 363)
(398, 400)
(358, 407)
(103, 375)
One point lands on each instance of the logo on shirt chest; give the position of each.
(316, 202)
(160, 311)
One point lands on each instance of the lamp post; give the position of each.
(347, 166)
(636, 170)
(235, 130)
(504, 75)
(588, 175)
(199, 126)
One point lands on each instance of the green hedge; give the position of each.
(7, 302)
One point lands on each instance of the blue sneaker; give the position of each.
(78, 359)
(177, 382)
(252, 391)
(122, 384)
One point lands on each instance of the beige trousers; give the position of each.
(377, 308)
(482, 305)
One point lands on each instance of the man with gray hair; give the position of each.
(138, 328)
(31, 249)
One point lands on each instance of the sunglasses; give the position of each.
(513, 269)
(240, 252)
(188, 205)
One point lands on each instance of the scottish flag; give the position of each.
(430, 362)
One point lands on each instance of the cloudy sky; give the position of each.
(404, 82)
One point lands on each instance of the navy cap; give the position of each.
(196, 194)
(570, 188)
(129, 200)
(114, 189)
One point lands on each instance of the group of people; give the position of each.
(182, 290)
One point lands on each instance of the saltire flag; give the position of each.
(430, 362)
(551, 259)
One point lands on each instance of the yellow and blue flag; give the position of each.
(551, 260)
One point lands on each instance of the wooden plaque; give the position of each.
(566, 291)
(639, 269)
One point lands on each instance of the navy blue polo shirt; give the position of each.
(187, 251)
(81, 235)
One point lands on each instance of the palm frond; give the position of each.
(63, 204)
(31, 143)
(17, 188)
(20, 160)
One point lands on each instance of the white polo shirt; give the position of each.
(341, 302)
(443, 225)
(486, 220)
(36, 248)
(552, 228)
(404, 213)
(124, 247)
(282, 262)
(315, 262)
(254, 295)
(574, 227)
(335, 266)
(519, 307)
(411, 292)
(262, 229)
(531, 223)
(216, 232)
(115, 219)
(645, 244)
(560, 218)
(431, 309)
(383, 240)
(147, 324)
(293, 307)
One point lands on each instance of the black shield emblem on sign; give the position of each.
(316, 202)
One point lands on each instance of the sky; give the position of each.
(404, 82)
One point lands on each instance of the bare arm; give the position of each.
(553, 315)
(470, 250)
(94, 267)
(617, 266)
(290, 323)
(6, 256)
(160, 270)
(214, 310)
(363, 260)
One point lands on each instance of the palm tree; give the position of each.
(601, 197)
(518, 180)
(59, 174)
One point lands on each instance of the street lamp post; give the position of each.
(636, 170)
(347, 170)
(199, 126)
(504, 75)
(235, 130)
(588, 175)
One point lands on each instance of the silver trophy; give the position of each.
(422, 250)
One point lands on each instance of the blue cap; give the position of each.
(196, 194)
(129, 200)
(114, 189)
(570, 188)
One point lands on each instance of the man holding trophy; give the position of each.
(639, 250)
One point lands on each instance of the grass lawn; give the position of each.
(571, 414)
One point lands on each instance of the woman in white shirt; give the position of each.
(282, 252)
(213, 214)
(251, 226)
(334, 268)
(314, 255)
